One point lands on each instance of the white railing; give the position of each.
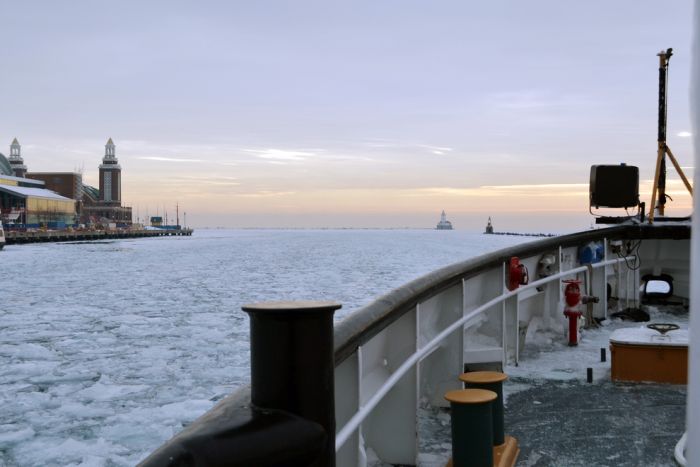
(679, 450)
(367, 407)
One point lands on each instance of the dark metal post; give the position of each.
(292, 367)
(661, 138)
(472, 430)
(492, 381)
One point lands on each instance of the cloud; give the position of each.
(537, 186)
(523, 100)
(534, 190)
(437, 150)
(201, 180)
(281, 155)
(535, 102)
(266, 194)
(167, 159)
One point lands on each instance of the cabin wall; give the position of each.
(667, 257)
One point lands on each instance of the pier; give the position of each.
(522, 234)
(39, 236)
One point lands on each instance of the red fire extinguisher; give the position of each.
(572, 292)
(517, 273)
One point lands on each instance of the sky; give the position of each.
(348, 114)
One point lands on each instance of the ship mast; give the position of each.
(660, 174)
(659, 188)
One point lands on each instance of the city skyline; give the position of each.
(376, 115)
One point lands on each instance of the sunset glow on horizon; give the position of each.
(377, 115)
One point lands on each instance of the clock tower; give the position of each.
(110, 177)
(16, 161)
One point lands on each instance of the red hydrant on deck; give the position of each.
(571, 311)
(517, 274)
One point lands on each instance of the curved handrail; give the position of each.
(679, 450)
(353, 424)
(366, 322)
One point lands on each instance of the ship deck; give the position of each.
(559, 418)
(574, 423)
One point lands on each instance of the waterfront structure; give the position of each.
(5, 167)
(66, 184)
(50, 205)
(27, 202)
(16, 161)
(110, 177)
(489, 227)
(108, 205)
(444, 224)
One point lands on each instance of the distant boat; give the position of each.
(489, 227)
(444, 224)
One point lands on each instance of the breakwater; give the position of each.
(21, 237)
(519, 234)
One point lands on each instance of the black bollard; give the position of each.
(472, 431)
(589, 375)
(292, 366)
(492, 381)
(603, 357)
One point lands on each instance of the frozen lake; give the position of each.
(108, 349)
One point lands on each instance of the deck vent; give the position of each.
(614, 186)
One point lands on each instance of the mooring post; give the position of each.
(472, 430)
(492, 381)
(292, 366)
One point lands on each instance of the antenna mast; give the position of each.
(663, 149)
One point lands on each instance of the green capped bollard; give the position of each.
(472, 432)
(492, 381)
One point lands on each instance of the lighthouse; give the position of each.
(444, 224)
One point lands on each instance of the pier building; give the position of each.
(108, 205)
(16, 161)
(27, 202)
(66, 184)
(110, 177)
(37, 199)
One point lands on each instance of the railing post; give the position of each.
(292, 366)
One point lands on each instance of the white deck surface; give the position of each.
(547, 356)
